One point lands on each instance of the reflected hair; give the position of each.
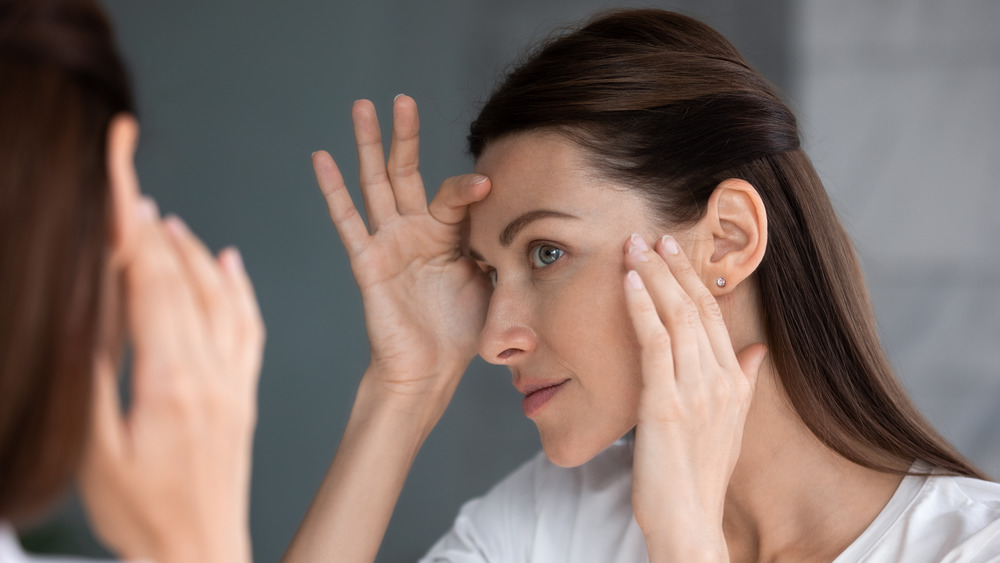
(664, 104)
(61, 82)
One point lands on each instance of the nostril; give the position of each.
(506, 354)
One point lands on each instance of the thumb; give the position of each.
(454, 196)
(106, 437)
(750, 359)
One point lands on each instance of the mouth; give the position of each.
(537, 395)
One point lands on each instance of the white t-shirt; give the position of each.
(11, 551)
(546, 514)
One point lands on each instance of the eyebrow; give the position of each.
(522, 221)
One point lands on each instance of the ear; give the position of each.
(122, 139)
(734, 236)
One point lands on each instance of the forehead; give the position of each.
(542, 170)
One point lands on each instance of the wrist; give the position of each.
(422, 399)
(234, 546)
(690, 545)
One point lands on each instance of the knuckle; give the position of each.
(406, 169)
(377, 177)
(710, 307)
(701, 400)
(742, 387)
(177, 393)
(346, 214)
(682, 268)
(658, 341)
(215, 298)
(646, 308)
(720, 390)
(152, 266)
(687, 315)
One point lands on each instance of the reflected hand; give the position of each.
(424, 302)
(694, 403)
(169, 481)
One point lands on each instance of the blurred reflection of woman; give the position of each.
(86, 267)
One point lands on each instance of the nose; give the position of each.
(507, 335)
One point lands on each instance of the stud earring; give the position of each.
(720, 281)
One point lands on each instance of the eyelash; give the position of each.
(534, 258)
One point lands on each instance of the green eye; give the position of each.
(544, 255)
(493, 278)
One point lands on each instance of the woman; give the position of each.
(663, 259)
(88, 267)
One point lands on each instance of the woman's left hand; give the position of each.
(695, 398)
(168, 479)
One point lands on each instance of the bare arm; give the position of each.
(424, 305)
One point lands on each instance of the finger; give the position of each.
(162, 319)
(751, 359)
(654, 341)
(106, 419)
(251, 323)
(404, 157)
(350, 227)
(677, 312)
(106, 451)
(708, 307)
(206, 283)
(450, 204)
(380, 203)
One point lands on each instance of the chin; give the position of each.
(567, 452)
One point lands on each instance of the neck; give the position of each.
(790, 496)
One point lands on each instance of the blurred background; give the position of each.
(898, 101)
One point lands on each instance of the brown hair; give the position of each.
(62, 81)
(665, 104)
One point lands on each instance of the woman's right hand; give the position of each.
(424, 301)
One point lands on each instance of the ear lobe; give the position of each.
(738, 221)
(122, 139)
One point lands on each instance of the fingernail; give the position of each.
(638, 254)
(147, 209)
(397, 97)
(477, 179)
(634, 281)
(233, 260)
(639, 242)
(669, 244)
(176, 225)
(313, 154)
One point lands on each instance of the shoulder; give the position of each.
(964, 514)
(936, 518)
(963, 501)
(540, 500)
(11, 551)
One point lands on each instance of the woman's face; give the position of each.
(552, 235)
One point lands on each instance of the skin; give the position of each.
(564, 321)
(627, 356)
(631, 324)
(168, 480)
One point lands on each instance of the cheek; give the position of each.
(595, 336)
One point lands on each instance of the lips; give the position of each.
(537, 394)
(529, 388)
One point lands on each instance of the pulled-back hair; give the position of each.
(61, 82)
(664, 104)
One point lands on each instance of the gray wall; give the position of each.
(235, 96)
(901, 108)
